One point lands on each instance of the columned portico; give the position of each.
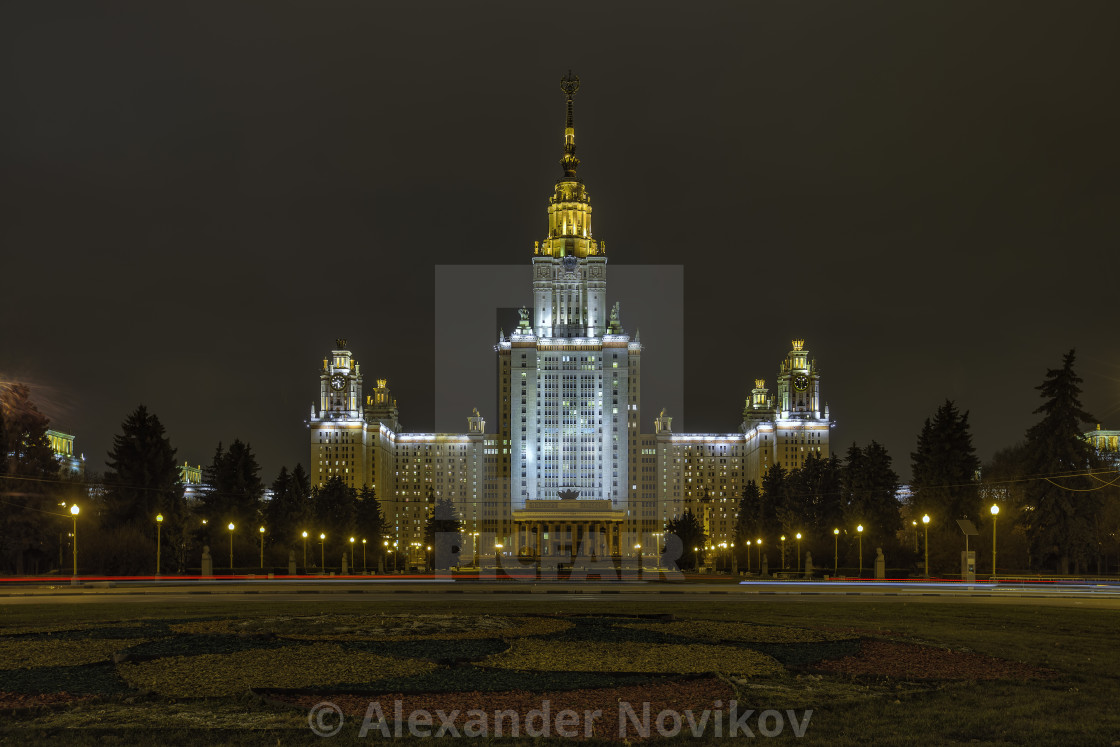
(568, 528)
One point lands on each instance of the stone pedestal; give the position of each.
(880, 564)
(344, 566)
(291, 562)
(207, 561)
(765, 566)
(808, 564)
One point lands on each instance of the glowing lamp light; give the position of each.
(799, 535)
(925, 519)
(159, 517)
(859, 528)
(995, 509)
(262, 530)
(305, 535)
(74, 509)
(836, 531)
(230, 527)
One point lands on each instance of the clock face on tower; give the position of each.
(570, 262)
(338, 381)
(801, 382)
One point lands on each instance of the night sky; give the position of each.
(196, 199)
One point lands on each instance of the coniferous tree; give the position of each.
(28, 471)
(945, 468)
(289, 512)
(143, 477)
(870, 486)
(233, 486)
(335, 508)
(443, 533)
(774, 497)
(1063, 500)
(750, 504)
(687, 530)
(369, 521)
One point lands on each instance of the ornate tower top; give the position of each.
(569, 210)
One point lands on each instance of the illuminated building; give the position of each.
(1107, 443)
(62, 444)
(568, 467)
(191, 480)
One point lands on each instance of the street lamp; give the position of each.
(159, 533)
(305, 552)
(638, 547)
(859, 531)
(995, 513)
(74, 512)
(363, 555)
(925, 530)
(748, 556)
(915, 535)
(351, 553)
(835, 552)
(783, 551)
(231, 545)
(322, 552)
(262, 548)
(759, 543)
(799, 551)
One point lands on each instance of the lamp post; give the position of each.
(262, 548)
(305, 552)
(995, 513)
(363, 555)
(474, 549)
(835, 552)
(759, 543)
(783, 551)
(159, 537)
(799, 551)
(351, 554)
(394, 551)
(915, 535)
(74, 513)
(748, 556)
(859, 531)
(230, 545)
(638, 547)
(925, 529)
(322, 552)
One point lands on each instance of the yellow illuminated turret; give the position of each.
(569, 209)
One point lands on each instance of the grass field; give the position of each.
(871, 672)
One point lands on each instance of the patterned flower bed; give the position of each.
(908, 661)
(448, 662)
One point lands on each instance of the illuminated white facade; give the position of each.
(568, 458)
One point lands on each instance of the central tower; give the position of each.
(572, 383)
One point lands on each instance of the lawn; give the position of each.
(871, 672)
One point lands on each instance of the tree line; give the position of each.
(1058, 499)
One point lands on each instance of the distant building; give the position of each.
(191, 480)
(62, 444)
(1107, 443)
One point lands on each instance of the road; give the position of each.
(1106, 596)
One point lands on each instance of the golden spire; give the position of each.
(569, 85)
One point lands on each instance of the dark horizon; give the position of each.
(198, 201)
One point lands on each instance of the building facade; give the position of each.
(567, 470)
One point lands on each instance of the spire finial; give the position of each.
(569, 85)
